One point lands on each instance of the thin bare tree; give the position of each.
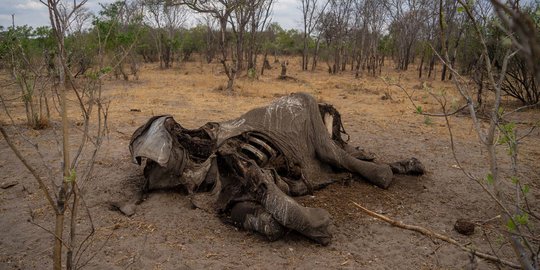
(222, 11)
(166, 18)
(260, 13)
(64, 191)
(312, 10)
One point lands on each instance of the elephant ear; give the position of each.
(152, 141)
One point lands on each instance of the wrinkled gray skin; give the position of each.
(258, 161)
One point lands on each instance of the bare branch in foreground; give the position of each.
(431, 233)
(34, 173)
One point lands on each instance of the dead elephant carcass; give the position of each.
(258, 161)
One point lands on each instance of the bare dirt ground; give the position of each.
(166, 233)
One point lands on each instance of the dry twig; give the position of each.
(439, 236)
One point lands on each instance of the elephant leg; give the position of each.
(408, 166)
(378, 174)
(253, 217)
(314, 223)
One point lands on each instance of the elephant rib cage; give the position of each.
(258, 148)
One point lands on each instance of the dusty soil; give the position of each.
(167, 233)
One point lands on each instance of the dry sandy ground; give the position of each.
(166, 233)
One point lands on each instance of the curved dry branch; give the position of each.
(50, 232)
(439, 236)
(30, 168)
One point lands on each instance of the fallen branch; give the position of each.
(33, 171)
(430, 233)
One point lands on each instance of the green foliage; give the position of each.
(454, 104)
(288, 41)
(105, 70)
(500, 111)
(192, 41)
(43, 35)
(525, 189)
(252, 73)
(469, 49)
(490, 179)
(25, 51)
(500, 240)
(511, 226)
(386, 45)
(522, 219)
(97, 74)
(508, 137)
(427, 120)
(508, 133)
(111, 31)
(535, 14)
(72, 176)
(24, 41)
(517, 220)
(274, 28)
(519, 82)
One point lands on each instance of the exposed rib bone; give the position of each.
(261, 157)
(264, 145)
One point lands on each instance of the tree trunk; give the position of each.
(443, 72)
(480, 90)
(304, 53)
(251, 58)
(452, 61)
(230, 84)
(283, 70)
(266, 64)
(431, 66)
(345, 59)
(381, 64)
(315, 55)
(407, 57)
(166, 51)
(60, 207)
(229, 71)
(420, 69)
(74, 207)
(160, 51)
(337, 61)
(240, 51)
(58, 231)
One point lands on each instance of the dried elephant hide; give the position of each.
(258, 161)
